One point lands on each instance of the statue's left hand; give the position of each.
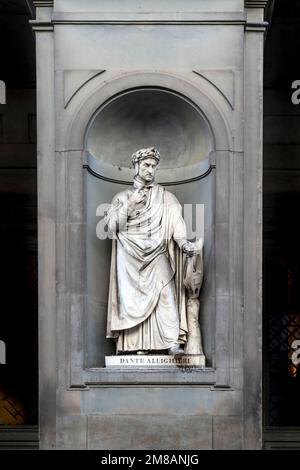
(189, 248)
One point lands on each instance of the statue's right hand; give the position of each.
(137, 197)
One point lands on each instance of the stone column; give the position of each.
(46, 222)
(253, 99)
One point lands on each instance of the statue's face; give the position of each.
(147, 169)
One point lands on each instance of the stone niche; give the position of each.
(185, 77)
(132, 120)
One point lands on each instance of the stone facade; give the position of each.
(210, 55)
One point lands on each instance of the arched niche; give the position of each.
(142, 118)
(136, 118)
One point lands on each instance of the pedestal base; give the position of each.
(154, 361)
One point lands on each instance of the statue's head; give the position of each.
(145, 162)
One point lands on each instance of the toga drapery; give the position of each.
(146, 305)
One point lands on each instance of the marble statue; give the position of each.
(152, 290)
(193, 281)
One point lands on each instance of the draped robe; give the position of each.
(146, 305)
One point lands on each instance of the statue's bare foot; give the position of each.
(141, 353)
(176, 350)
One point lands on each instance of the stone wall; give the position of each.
(88, 54)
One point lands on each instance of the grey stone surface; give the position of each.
(102, 376)
(227, 433)
(222, 175)
(77, 252)
(152, 5)
(72, 433)
(147, 54)
(223, 279)
(163, 400)
(253, 242)
(46, 240)
(76, 79)
(223, 338)
(98, 345)
(77, 338)
(75, 189)
(146, 432)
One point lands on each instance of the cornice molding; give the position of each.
(39, 26)
(248, 3)
(42, 3)
(134, 17)
(256, 3)
(257, 27)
